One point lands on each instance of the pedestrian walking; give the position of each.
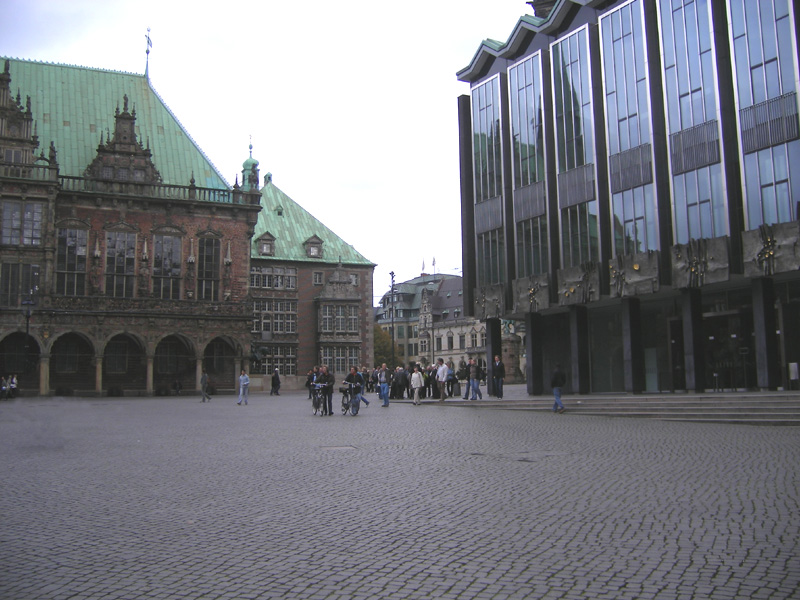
(417, 383)
(310, 382)
(498, 376)
(441, 379)
(475, 375)
(384, 379)
(276, 384)
(204, 386)
(244, 388)
(356, 380)
(557, 382)
(469, 372)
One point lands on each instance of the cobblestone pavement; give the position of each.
(173, 499)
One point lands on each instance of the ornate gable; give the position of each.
(122, 158)
(18, 140)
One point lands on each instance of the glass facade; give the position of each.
(491, 265)
(690, 89)
(486, 143)
(527, 121)
(628, 129)
(765, 72)
(528, 148)
(574, 139)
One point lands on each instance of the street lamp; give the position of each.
(391, 301)
(27, 302)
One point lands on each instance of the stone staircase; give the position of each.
(756, 408)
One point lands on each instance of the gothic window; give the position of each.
(208, 271)
(327, 318)
(17, 283)
(291, 279)
(71, 262)
(352, 319)
(340, 323)
(282, 357)
(120, 264)
(22, 223)
(167, 267)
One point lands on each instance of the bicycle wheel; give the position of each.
(318, 402)
(354, 404)
(345, 403)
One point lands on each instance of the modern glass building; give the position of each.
(630, 175)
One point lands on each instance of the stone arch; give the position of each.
(221, 360)
(19, 355)
(174, 365)
(72, 365)
(124, 364)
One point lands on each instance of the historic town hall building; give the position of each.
(125, 257)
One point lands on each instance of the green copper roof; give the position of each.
(74, 106)
(291, 226)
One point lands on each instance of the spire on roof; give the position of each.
(147, 60)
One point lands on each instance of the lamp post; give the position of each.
(27, 302)
(391, 301)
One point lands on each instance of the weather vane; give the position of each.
(149, 45)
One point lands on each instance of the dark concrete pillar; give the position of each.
(493, 347)
(632, 345)
(694, 361)
(579, 349)
(534, 350)
(766, 340)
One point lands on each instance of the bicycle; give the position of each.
(318, 398)
(350, 400)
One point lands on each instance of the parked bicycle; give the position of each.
(318, 398)
(350, 400)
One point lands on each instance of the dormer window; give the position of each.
(266, 245)
(313, 246)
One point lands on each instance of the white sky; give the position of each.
(351, 104)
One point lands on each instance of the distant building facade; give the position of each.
(630, 177)
(429, 321)
(311, 294)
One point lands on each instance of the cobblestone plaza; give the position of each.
(168, 498)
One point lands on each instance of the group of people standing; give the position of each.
(323, 378)
(8, 387)
(435, 381)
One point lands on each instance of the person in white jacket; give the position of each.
(417, 383)
(441, 378)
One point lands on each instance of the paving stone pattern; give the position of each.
(167, 499)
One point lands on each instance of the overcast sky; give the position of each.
(351, 105)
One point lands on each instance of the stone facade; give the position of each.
(113, 281)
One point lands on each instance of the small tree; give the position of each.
(383, 347)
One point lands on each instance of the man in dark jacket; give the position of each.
(557, 382)
(328, 380)
(276, 383)
(498, 375)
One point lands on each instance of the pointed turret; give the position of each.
(250, 173)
